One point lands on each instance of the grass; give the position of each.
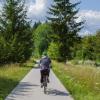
(10, 75)
(83, 82)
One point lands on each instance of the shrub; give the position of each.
(53, 51)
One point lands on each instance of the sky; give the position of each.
(89, 11)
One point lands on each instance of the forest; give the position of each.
(57, 36)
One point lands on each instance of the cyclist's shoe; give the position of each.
(48, 80)
(41, 85)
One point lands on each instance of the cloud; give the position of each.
(37, 10)
(37, 7)
(92, 20)
(85, 32)
(89, 15)
(74, 1)
(1, 3)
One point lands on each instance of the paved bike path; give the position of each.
(29, 88)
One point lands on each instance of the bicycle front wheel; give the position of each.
(45, 89)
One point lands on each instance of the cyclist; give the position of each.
(45, 63)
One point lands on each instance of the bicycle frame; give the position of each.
(45, 83)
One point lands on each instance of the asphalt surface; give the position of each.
(29, 88)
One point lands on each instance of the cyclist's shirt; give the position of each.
(45, 63)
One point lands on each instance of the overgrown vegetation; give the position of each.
(53, 50)
(82, 82)
(10, 75)
(88, 48)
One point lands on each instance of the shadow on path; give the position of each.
(36, 67)
(24, 88)
(56, 92)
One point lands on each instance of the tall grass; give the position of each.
(10, 75)
(81, 81)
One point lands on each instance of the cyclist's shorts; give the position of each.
(45, 72)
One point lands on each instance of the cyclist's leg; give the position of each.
(40, 76)
(48, 72)
(41, 80)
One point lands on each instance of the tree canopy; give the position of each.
(64, 24)
(42, 39)
(15, 32)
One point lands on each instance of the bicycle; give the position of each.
(45, 81)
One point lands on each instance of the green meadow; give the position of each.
(10, 75)
(83, 82)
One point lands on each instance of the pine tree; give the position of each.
(15, 31)
(63, 21)
(36, 24)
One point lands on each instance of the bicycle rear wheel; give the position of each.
(45, 84)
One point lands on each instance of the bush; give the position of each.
(75, 62)
(79, 55)
(53, 51)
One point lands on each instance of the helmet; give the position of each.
(44, 54)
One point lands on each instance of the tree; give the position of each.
(63, 21)
(15, 31)
(97, 46)
(36, 24)
(53, 51)
(88, 46)
(88, 49)
(42, 39)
